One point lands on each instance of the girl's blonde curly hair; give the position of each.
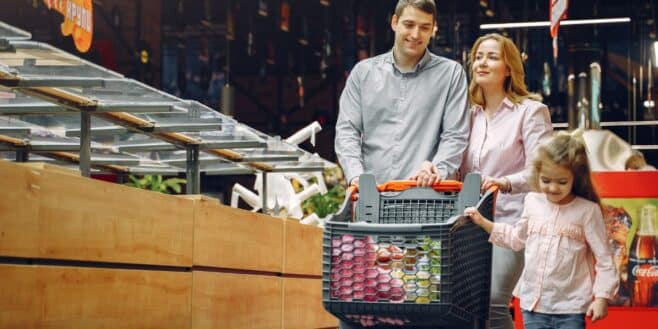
(567, 150)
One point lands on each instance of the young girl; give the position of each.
(569, 270)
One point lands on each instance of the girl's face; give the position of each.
(489, 69)
(556, 182)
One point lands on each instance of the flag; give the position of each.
(557, 12)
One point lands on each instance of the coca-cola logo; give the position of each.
(645, 271)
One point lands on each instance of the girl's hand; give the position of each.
(478, 219)
(474, 214)
(598, 310)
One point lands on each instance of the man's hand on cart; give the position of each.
(427, 175)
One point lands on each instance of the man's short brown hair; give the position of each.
(427, 6)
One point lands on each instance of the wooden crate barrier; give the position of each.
(232, 238)
(130, 258)
(19, 211)
(230, 300)
(302, 305)
(49, 213)
(34, 296)
(302, 249)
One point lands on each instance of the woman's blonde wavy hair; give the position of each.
(515, 88)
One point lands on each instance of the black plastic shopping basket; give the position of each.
(397, 255)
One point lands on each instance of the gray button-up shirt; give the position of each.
(389, 121)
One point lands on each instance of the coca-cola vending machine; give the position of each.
(630, 200)
(630, 216)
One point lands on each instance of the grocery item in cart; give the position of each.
(386, 271)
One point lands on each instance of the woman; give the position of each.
(507, 125)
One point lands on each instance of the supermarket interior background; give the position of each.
(218, 100)
(181, 47)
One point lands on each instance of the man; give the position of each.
(403, 107)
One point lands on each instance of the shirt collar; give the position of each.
(505, 104)
(421, 63)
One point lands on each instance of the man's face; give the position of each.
(413, 30)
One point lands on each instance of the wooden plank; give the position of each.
(302, 305)
(20, 300)
(50, 167)
(302, 248)
(234, 238)
(19, 215)
(78, 297)
(87, 219)
(227, 300)
(111, 298)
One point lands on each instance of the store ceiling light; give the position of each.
(519, 25)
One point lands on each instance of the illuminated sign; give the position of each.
(78, 20)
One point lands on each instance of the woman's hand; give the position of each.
(598, 310)
(427, 175)
(503, 184)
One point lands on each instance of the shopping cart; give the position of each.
(401, 256)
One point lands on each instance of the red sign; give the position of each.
(558, 9)
(557, 12)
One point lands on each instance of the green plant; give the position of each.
(157, 183)
(325, 204)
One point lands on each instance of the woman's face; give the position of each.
(489, 69)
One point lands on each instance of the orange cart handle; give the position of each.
(401, 185)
